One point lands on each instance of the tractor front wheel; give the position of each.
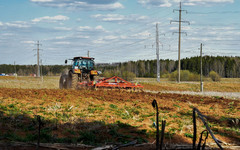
(91, 77)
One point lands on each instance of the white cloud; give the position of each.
(61, 37)
(7, 34)
(169, 3)
(109, 17)
(62, 43)
(28, 42)
(17, 24)
(81, 4)
(142, 34)
(156, 3)
(99, 28)
(189, 4)
(105, 39)
(84, 28)
(51, 19)
(186, 28)
(121, 19)
(41, 1)
(173, 28)
(214, 1)
(82, 37)
(63, 28)
(88, 28)
(71, 37)
(79, 19)
(110, 37)
(99, 41)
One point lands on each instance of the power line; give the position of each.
(126, 45)
(215, 12)
(141, 29)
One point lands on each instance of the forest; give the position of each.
(227, 67)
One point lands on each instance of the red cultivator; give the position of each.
(113, 82)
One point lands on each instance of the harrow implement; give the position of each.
(113, 82)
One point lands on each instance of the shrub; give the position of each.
(185, 75)
(126, 75)
(108, 74)
(173, 76)
(214, 76)
(129, 76)
(165, 75)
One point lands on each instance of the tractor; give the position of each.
(82, 70)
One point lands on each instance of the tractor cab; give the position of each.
(84, 64)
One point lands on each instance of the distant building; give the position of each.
(103, 64)
(108, 64)
(33, 75)
(115, 64)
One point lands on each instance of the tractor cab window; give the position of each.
(83, 64)
(75, 63)
(86, 64)
(90, 64)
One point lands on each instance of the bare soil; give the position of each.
(98, 117)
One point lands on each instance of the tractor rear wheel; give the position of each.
(74, 81)
(63, 81)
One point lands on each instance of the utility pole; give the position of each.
(179, 37)
(157, 53)
(15, 69)
(41, 70)
(201, 82)
(88, 54)
(38, 67)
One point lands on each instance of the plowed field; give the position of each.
(99, 117)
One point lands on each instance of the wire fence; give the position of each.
(196, 113)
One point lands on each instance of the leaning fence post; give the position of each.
(162, 133)
(207, 127)
(154, 104)
(39, 131)
(194, 129)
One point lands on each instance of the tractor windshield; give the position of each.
(85, 63)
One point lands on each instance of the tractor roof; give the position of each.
(90, 58)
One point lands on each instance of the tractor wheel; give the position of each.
(74, 81)
(63, 81)
(91, 78)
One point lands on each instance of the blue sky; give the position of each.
(115, 30)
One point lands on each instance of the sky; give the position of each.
(115, 30)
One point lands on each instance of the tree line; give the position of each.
(228, 67)
(26, 70)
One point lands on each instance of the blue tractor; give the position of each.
(82, 70)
